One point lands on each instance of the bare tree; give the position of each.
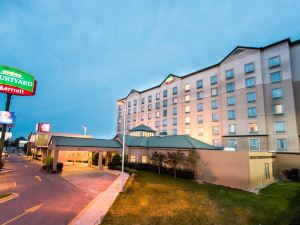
(192, 160)
(158, 159)
(174, 159)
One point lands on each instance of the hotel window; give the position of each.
(128, 120)
(128, 126)
(231, 128)
(214, 104)
(216, 142)
(230, 87)
(199, 107)
(231, 100)
(165, 122)
(280, 126)
(277, 93)
(275, 77)
(200, 95)
(251, 97)
(200, 131)
(142, 117)
(135, 102)
(175, 100)
(199, 84)
(281, 144)
(134, 118)
(157, 114)
(144, 159)
(156, 124)
(213, 79)
(175, 90)
(187, 109)
(165, 93)
(129, 111)
(149, 116)
(150, 98)
(232, 143)
(174, 121)
(132, 158)
(174, 131)
(187, 131)
(165, 102)
(149, 107)
(254, 144)
(253, 128)
(215, 117)
(142, 109)
(214, 92)
(165, 113)
(175, 111)
(249, 68)
(231, 114)
(200, 119)
(157, 96)
(250, 82)
(215, 130)
(274, 62)
(187, 87)
(157, 105)
(187, 120)
(229, 74)
(278, 109)
(134, 110)
(252, 112)
(187, 98)
(129, 104)
(143, 101)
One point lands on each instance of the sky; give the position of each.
(86, 54)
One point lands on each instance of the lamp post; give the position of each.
(121, 102)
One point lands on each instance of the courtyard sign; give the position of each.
(16, 82)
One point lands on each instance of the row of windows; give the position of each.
(254, 144)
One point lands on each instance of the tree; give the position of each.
(192, 160)
(174, 159)
(158, 159)
(16, 141)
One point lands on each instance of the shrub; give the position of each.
(129, 182)
(48, 165)
(59, 167)
(293, 174)
(1, 164)
(48, 160)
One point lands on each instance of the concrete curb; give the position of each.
(8, 198)
(94, 212)
(4, 171)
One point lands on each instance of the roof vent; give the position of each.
(163, 134)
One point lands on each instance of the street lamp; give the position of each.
(123, 103)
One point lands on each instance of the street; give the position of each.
(44, 199)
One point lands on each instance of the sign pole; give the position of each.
(2, 140)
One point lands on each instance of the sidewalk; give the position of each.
(94, 212)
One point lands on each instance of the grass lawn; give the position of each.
(4, 195)
(159, 199)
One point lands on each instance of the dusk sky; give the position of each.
(86, 54)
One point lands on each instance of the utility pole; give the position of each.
(2, 140)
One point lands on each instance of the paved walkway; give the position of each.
(94, 212)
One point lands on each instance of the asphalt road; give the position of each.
(44, 199)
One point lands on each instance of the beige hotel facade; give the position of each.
(248, 101)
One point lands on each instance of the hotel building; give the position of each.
(248, 101)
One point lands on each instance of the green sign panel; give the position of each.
(15, 81)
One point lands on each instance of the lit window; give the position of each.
(232, 143)
(157, 105)
(187, 98)
(132, 158)
(149, 107)
(174, 121)
(213, 80)
(199, 107)
(251, 97)
(215, 117)
(175, 90)
(275, 77)
(229, 74)
(277, 93)
(200, 131)
(231, 128)
(274, 62)
(187, 109)
(175, 111)
(200, 95)
(252, 112)
(165, 113)
(280, 127)
(187, 87)
(214, 92)
(199, 84)
(231, 114)
(157, 96)
(281, 144)
(165, 93)
(200, 119)
(214, 104)
(187, 120)
(165, 122)
(144, 159)
(215, 130)
(252, 128)
(254, 144)
(175, 100)
(231, 100)
(278, 109)
(249, 68)
(157, 114)
(187, 131)
(165, 102)
(230, 87)
(250, 82)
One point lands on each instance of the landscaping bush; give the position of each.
(127, 170)
(48, 165)
(129, 182)
(59, 167)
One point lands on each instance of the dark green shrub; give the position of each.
(59, 167)
(48, 160)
